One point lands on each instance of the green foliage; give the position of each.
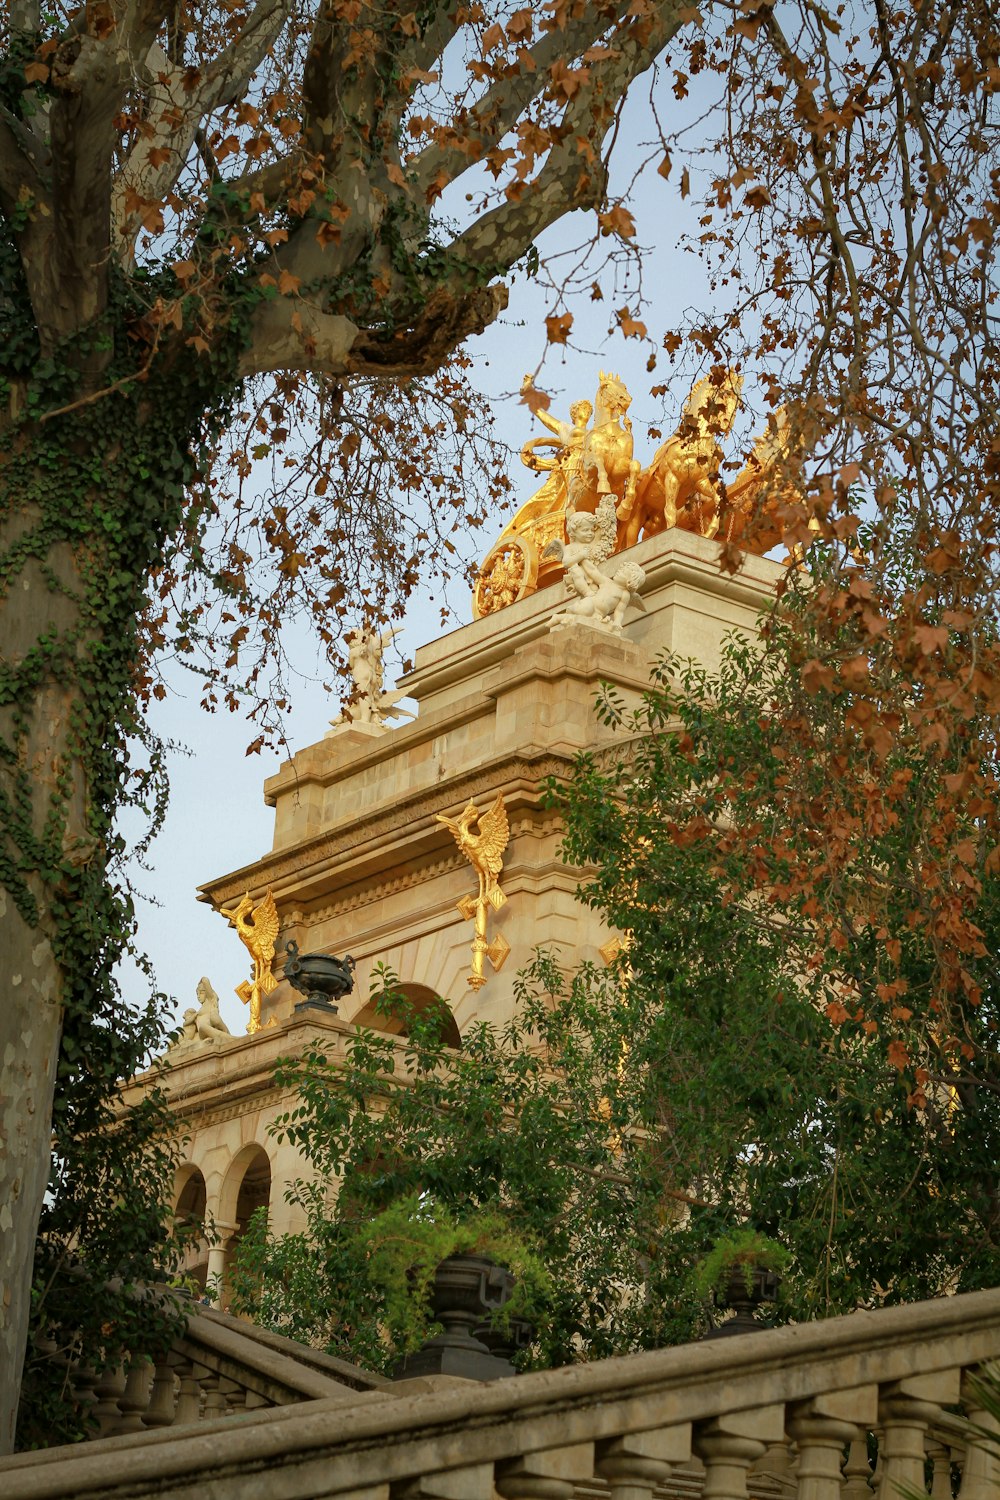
(708, 1099)
(524, 1136)
(106, 1236)
(90, 494)
(775, 1076)
(395, 1256)
(743, 1247)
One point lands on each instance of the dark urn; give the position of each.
(466, 1290)
(746, 1289)
(320, 977)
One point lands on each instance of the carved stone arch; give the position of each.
(421, 997)
(247, 1185)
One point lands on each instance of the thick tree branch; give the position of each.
(18, 169)
(176, 114)
(295, 334)
(567, 180)
(25, 15)
(501, 106)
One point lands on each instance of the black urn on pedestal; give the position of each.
(747, 1288)
(467, 1288)
(320, 977)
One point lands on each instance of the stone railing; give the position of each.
(219, 1366)
(786, 1412)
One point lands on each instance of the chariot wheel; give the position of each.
(509, 572)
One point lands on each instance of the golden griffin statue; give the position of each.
(257, 929)
(484, 850)
(681, 487)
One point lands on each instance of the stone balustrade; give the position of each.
(784, 1413)
(219, 1367)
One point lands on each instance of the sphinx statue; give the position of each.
(202, 1023)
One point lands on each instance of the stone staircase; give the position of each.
(234, 1413)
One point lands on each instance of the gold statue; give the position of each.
(257, 928)
(484, 851)
(606, 464)
(681, 487)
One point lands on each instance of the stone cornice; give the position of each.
(392, 839)
(675, 557)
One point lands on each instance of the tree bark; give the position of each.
(30, 1028)
(46, 836)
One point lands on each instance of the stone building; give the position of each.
(361, 864)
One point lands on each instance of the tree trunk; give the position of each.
(64, 658)
(42, 834)
(30, 1026)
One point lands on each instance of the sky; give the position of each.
(217, 820)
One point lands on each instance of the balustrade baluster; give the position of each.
(777, 1462)
(135, 1397)
(215, 1402)
(822, 1428)
(727, 1446)
(858, 1471)
(906, 1411)
(634, 1465)
(548, 1475)
(472, 1483)
(110, 1385)
(940, 1457)
(189, 1395)
(83, 1380)
(981, 1469)
(235, 1395)
(161, 1409)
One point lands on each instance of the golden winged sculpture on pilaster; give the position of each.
(484, 850)
(257, 928)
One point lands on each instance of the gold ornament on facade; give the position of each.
(484, 850)
(257, 929)
(585, 461)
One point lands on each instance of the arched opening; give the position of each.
(190, 1205)
(247, 1188)
(382, 1014)
(254, 1192)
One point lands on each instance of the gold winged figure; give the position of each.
(257, 929)
(484, 850)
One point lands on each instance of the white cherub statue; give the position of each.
(591, 542)
(606, 604)
(370, 703)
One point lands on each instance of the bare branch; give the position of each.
(176, 113)
(567, 179)
(500, 107)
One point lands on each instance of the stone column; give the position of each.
(634, 1465)
(906, 1411)
(548, 1475)
(981, 1469)
(217, 1257)
(822, 1429)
